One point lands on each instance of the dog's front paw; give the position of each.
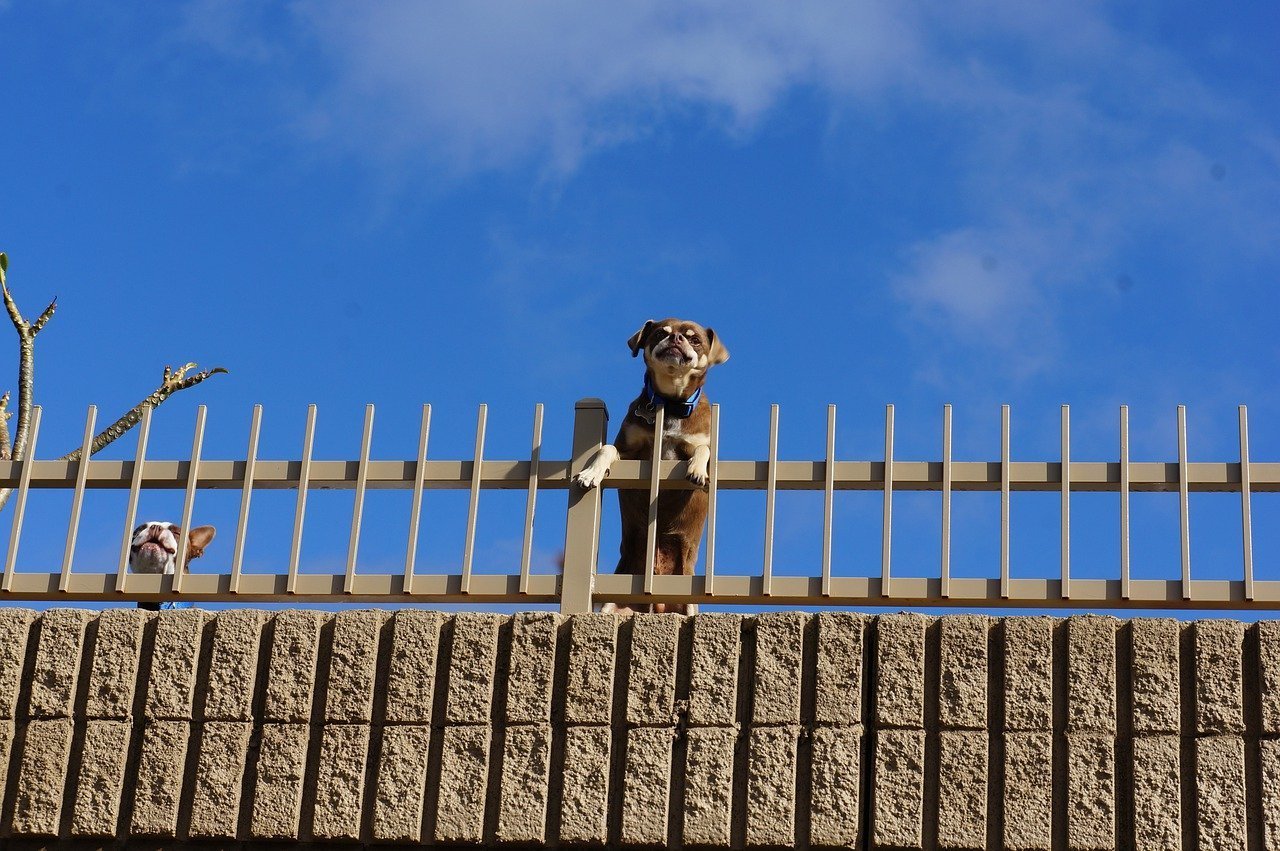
(698, 474)
(589, 478)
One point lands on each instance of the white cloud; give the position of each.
(487, 83)
(1072, 138)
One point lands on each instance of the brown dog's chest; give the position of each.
(679, 438)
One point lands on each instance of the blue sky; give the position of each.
(398, 203)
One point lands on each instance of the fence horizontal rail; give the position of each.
(579, 585)
(1084, 476)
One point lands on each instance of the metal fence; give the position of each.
(579, 586)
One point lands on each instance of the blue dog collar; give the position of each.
(677, 408)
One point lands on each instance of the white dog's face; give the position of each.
(154, 548)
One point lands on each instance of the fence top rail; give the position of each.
(1104, 476)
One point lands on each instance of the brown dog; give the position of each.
(677, 355)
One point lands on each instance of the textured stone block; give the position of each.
(585, 803)
(158, 785)
(344, 752)
(713, 672)
(1270, 759)
(1028, 791)
(645, 786)
(282, 768)
(1028, 673)
(291, 670)
(1091, 674)
(962, 789)
(113, 675)
(593, 645)
(411, 678)
(353, 666)
(532, 667)
(176, 660)
(472, 668)
(779, 662)
(1157, 796)
(102, 765)
(37, 807)
(900, 670)
(771, 785)
(1091, 791)
(708, 794)
(1155, 666)
(836, 786)
(15, 629)
(402, 777)
(526, 763)
(464, 775)
(6, 749)
(1219, 695)
(898, 815)
(220, 767)
(233, 669)
(57, 668)
(962, 686)
(1220, 800)
(1268, 633)
(838, 679)
(651, 683)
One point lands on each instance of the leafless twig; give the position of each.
(172, 382)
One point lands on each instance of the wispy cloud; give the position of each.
(496, 82)
(1073, 139)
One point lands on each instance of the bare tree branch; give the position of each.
(26, 368)
(172, 382)
(6, 448)
(44, 317)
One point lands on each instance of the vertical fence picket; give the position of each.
(655, 467)
(886, 528)
(135, 489)
(1246, 514)
(531, 501)
(1004, 502)
(357, 510)
(713, 485)
(473, 506)
(300, 509)
(828, 499)
(1065, 507)
(246, 497)
(1184, 512)
(20, 502)
(415, 509)
(189, 500)
(946, 502)
(77, 498)
(770, 501)
(1124, 502)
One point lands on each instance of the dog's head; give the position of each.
(154, 548)
(678, 350)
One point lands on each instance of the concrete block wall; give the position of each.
(833, 730)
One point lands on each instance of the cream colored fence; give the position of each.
(579, 586)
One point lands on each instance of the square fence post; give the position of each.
(582, 528)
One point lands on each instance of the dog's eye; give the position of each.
(694, 341)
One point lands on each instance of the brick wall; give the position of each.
(776, 730)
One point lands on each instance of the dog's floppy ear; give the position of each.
(717, 353)
(638, 339)
(198, 540)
